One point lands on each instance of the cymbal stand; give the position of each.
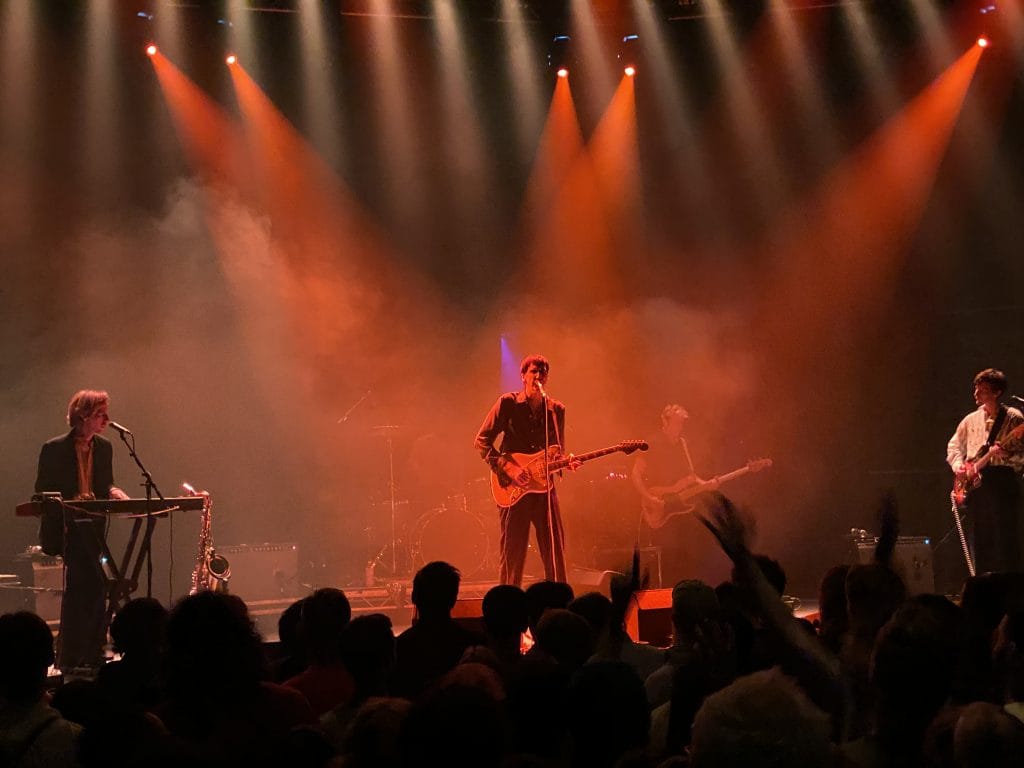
(394, 507)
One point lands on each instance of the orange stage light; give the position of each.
(983, 42)
(231, 59)
(630, 71)
(563, 72)
(151, 50)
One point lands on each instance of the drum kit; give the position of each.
(459, 527)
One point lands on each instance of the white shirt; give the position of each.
(972, 433)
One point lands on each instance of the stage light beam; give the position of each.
(231, 60)
(151, 50)
(983, 42)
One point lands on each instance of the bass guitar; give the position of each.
(674, 497)
(967, 481)
(507, 491)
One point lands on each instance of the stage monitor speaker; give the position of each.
(912, 560)
(649, 617)
(620, 560)
(263, 571)
(469, 613)
(584, 580)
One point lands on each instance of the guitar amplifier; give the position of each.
(266, 571)
(912, 560)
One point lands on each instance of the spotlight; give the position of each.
(151, 50)
(983, 42)
(627, 56)
(559, 55)
(231, 59)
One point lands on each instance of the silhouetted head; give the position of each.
(913, 664)
(762, 720)
(873, 593)
(213, 649)
(544, 595)
(138, 628)
(26, 653)
(693, 603)
(595, 608)
(435, 588)
(608, 714)
(565, 637)
(505, 614)
(324, 616)
(368, 650)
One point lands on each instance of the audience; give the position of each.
(32, 733)
(326, 682)
(885, 680)
(435, 642)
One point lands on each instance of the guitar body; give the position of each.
(963, 485)
(675, 498)
(968, 481)
(507, 492)
(672, 504)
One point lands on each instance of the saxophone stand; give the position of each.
(121, 589)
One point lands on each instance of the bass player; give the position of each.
(528, 421)
(994, 501)
(668, 465)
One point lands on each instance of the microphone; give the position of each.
(122, 430)
(1018, 400)
(541, 388)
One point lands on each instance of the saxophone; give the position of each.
(212, 571)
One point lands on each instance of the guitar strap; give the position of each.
(994, 432)
(686, 450)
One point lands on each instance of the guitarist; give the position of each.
(993, 506)
(668, 463)
(526, 420)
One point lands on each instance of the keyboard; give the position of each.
(126, 507)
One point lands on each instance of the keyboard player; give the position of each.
(79, 465)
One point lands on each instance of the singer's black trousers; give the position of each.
(531, 510)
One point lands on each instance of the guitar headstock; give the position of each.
(756, 465)
(629, 446)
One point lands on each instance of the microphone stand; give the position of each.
(549, 481)
(151, 488)
(354, 405)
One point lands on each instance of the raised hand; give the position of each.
(727, 523)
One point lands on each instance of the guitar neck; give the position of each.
(696, 490)
(558, 464)
(733, 475)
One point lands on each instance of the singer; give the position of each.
(79, 465)
(528, 421)
(994, 506)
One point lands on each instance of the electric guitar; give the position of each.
(965, 482)
(507, 491)
(674, 497)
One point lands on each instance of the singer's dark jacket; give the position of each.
(522, 432)
(58, 467)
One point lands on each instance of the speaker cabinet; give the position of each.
(263, 571)
(649, 617)
(469, 613)
(912, 560)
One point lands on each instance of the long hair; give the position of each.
(84, 404)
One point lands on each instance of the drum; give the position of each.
(453, 535)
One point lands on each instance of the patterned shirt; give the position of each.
(972, 433)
